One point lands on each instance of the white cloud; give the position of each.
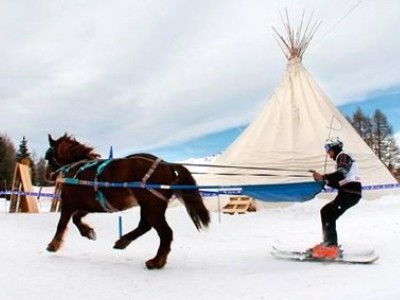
(140, 74)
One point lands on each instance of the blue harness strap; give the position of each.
(100, 197)
(102, 166)
(85, 167)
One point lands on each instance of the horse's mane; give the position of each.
(69, 149)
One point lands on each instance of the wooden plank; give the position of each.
(28, 203)
(56, 201)
(238, 204)
(22, 183)
(15, 187)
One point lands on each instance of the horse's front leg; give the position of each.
(57, 240)
(84, 229)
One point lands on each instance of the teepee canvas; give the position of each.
(288, 135)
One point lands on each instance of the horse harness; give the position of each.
(100, 197)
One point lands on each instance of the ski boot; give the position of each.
(323, 251)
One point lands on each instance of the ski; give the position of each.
(345, 258)
(370, 252)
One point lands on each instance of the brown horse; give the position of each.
(67, 158)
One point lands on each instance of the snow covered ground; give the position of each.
(229, 261)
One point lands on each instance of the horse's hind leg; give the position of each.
(84, 229)
(57, 240)
(165, 233)
(129, 237)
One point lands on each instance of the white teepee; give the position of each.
(288, 135)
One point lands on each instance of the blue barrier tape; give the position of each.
(370, 187)
(225, 190)
(200, 187)
(46, 195)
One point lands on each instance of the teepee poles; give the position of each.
(294, 43)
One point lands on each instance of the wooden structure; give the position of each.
(56, 201)
(239, 204)
(20, 200)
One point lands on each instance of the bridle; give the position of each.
(54, 164)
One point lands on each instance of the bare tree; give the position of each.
(7, 161)
(378, 134)
(384, 143)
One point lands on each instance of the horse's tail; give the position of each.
(191, 198)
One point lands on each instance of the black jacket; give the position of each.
(344, 163)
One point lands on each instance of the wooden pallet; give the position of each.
(22, 183)
(239, 204)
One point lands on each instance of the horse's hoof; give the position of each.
(119, 247)
(121, 244)
(51, 248)
(153, 264)
(92, 235)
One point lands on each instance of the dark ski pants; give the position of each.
(332, 211)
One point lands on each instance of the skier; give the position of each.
(345, 179)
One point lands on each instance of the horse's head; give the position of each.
(64, 151)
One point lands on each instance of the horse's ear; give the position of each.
(52, 142)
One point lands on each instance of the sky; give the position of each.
(230, 260)
(148, 75)
(214, 144)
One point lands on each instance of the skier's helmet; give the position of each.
(333, 143)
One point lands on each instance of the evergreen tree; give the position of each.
(7, 162)
(24, 156)
(23, 152)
